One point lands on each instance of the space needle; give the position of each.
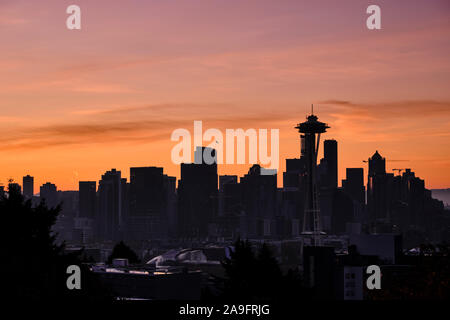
(308, 132)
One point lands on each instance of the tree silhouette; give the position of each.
(239, 269)
(121, 250)
(35, 264)
(258, 277)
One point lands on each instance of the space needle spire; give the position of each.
(310, 131)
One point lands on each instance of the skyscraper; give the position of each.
(84, 222)
(171, 205)
(259, 192)
(294, 188)
(197, 193)
(330, 154)
(49, 193)
(327, 176)
(148, 203)
(28, 186)
(377, 165)
(87, 199)
(353, 185)
(379, 189)
(110, 196)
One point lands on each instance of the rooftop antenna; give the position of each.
(312, 109)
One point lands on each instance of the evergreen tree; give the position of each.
(122, 251)
(35, 264)
(258, 277)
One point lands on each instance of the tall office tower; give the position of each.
(28, 186)
(69, 202)
(295, 170)
(294, 184)
(377, 164)
(148, 204)
(259, 196)
(411, 193)
(327, 182)
(49, 193)
(379, 189)
(311, 130)
(109, 219)
(171, 205)
(87, 207)
(197, 195)
(232, 198)
(353, 188)
(227, 222)
(87, 199)
(224, 180)
(125, 200)
(353, 185)
(344, 211)
(330, 154)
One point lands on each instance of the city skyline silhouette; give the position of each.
(271, 153)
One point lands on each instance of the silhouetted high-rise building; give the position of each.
(229, 206)
(224, 180)
(379, 190)
(295, 170)
(171, 205)
(87, 199)
(353, 185)
(87, 210)
(377, 164)
(69, 202)
(49, 193)
(28, 186)
(109, 221)
(259, 195)
(330, 155)
(343, 211)
(327, 174)
(292, 197)
(148, 196)
(197, 195)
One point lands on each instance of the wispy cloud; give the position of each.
(394, 109)
(389, 121)
(159, 108)
(139, 131)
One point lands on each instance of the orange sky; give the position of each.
(77, 103)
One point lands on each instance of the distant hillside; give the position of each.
(442, 194)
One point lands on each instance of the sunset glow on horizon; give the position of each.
(76, 103)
